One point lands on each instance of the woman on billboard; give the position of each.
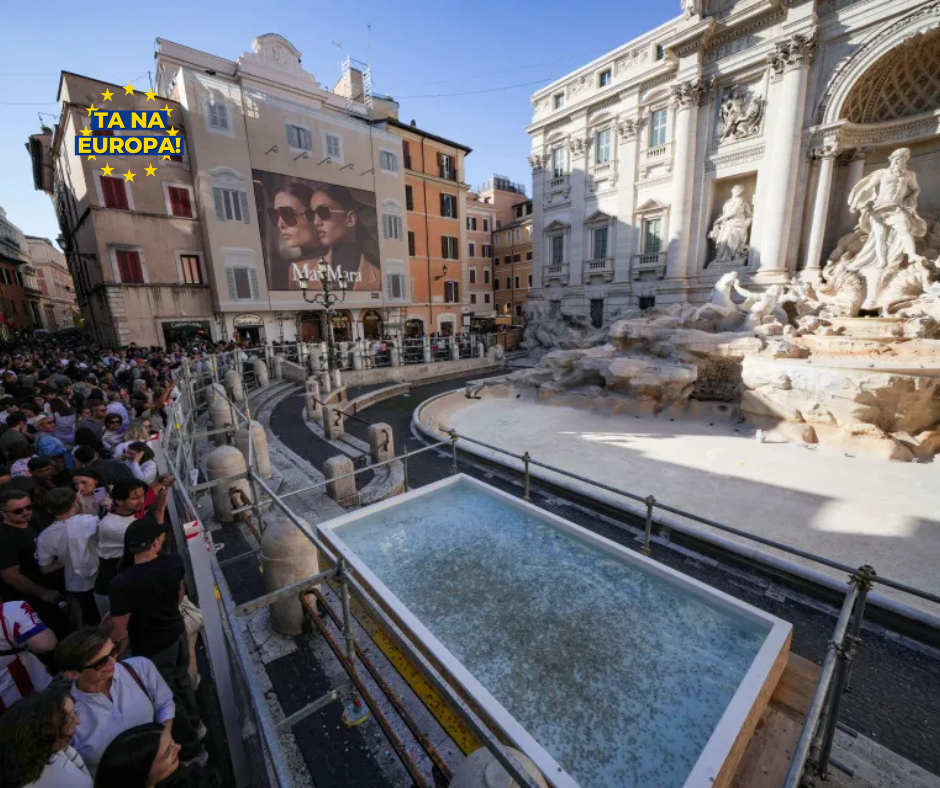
(324, 223)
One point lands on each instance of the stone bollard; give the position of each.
(220, 415)
(427, 351)
(287, 557)
(358, 356)
(337, 379)
(481, 350)
(313, 358)
(216, 391)
(396, 357)
(495, 353)
(261, 372)
(312, 396)
(381, 442)
(454, 351)
(343, 491)
(326, 386)
(334, 422)
(234, 387)
(279, 367)
(226, 461)
(260, 450)
(481, 770)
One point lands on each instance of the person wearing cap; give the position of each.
(48, 445)
(145, 599)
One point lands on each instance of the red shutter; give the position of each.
(180, 204)
(129, 267)
(114, 194)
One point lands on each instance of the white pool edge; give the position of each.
(725, 734)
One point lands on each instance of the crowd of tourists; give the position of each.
(97, 637)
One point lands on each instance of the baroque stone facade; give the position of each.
(786, 107)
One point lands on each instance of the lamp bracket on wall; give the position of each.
(367, 171)
(347, 167)
(303, 155)
(269, 150)
(327, 159)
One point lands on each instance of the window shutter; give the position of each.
(232, 290)
(186, 208)
(253, 279)
(244, 202)
(219, 203)
(444, 246)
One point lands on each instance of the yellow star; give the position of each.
(165, 158)
(169, 111)
(107, 95)
(151, 95)
(85, 132)
(107, 169)
(92, 108)
(151, 170)
(90, 157)
(129, 176)
(172, 131)
(128, 89)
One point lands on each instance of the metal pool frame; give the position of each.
(735, 717)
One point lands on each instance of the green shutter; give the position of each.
(219, 203)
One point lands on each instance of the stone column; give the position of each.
(825, 155)
(856, 169)
(687, 97)
(790, 62)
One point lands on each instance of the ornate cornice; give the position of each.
(743, 30)
(737, 157)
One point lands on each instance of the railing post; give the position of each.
(525, 463)
(647, 535)
(405, 461)
(867, 576)
(453, 443)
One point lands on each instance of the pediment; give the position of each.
(557, 226)
(273, 54)
(599, 217)
(651, 206)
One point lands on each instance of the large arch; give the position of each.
(880, 43)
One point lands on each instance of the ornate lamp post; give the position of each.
(327, 299)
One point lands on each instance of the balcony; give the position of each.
(659, 152)
(652, 262)
(557, 272)
(447, 173)
(603, 268)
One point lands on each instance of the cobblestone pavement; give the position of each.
(895, 689)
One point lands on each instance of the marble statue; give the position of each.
(720, 303)
(764, 305)
(740, 115)
(731, 229)
(691, 8)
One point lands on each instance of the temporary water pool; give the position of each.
(607, 669)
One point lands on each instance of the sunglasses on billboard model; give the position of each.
(290, 216)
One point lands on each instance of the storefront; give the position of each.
(182, 332)
(249, 328)
(371, 324)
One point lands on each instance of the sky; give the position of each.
(462, 71)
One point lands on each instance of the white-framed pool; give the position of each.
(606, 668)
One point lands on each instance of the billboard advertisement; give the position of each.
(308, 224)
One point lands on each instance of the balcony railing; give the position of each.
(659, 152)
(558, 182)
(557, 271)
(649, 261)
(447, 173)
(599, 267)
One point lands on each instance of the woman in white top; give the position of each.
(36, 742)
(138, 431)
(139, 458)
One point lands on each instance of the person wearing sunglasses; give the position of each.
(110, 698)
(293, 219)
(347, 245)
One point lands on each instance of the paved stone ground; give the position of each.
(895, 693)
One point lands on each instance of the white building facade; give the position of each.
(58, 305)
(635, 155)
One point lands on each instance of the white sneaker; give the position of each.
(200, 760)
(201, 731)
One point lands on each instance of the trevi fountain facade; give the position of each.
(741, 209)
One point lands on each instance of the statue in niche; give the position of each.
(691, 8)
(740, 115)
(731, 229)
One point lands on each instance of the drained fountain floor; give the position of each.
(619, 674)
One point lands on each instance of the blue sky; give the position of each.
(424, 53)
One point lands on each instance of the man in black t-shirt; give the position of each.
(145, 600)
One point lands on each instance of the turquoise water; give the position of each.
(620, 675)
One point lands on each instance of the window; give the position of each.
(473, 298)
(652, 236)
(231, 205)
(517, 258)
(388, 161)
(517, 234)
(518, 310)
(396, 285)
(473, 276)
(473, 250)
(647, 302)
(299, 137)
(495, 261)
(191, 270)
(516, 283)
(180, 201)
(487, 250)
(242, 283)
(409, 198)
(411, 243)
(406, 151)
(449, 247)
(603, 79)
(558, 249)
(449, 206)
(174, 157)
(486, 225)
(602, 147)
(508, 260)
(446, 167)
(472, 223)
(391, 226)
(451, 292)
(129, 268)
(558, 162)
(496, 284)
(486, 298)
(597, 312)
(486, 276)
(600, 243)
(333, 146)
(528, 255)
(558, 101)
(217, 113)
(508, 282)
(498, 224)
(530, 280)
(115, 195)
(658, 128)
(660, 52)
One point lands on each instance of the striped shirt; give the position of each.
(21, 673)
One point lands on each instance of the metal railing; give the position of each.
(253, 737)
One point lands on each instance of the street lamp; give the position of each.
(327, 299)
